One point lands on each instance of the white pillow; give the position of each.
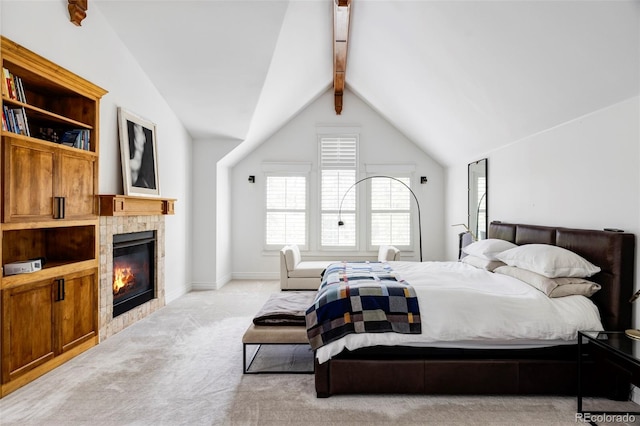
(552, 287)
(488, 249)
(550, 261)
(481, 263)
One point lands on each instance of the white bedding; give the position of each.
(463, 306)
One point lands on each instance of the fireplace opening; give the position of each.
(133, 270)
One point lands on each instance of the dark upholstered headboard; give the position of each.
(613, 252)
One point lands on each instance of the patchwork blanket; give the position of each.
(361, 297)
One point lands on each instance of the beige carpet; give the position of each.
(183, 366)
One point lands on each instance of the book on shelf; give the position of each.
(4, 121)
(12, 126)
(12, 86)
(20, 89)
(15, 120)
(21, 119)
(77, 138)
(5, 89)
(7, 83)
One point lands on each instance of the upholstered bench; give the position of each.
(280, 321)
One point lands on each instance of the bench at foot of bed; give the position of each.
(261, 335)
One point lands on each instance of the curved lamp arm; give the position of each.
(478, 213)
(341, 223)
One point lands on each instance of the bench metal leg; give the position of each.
(247, 366)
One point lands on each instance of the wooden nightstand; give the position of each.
(616, 358)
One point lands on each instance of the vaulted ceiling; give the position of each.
(460, 78)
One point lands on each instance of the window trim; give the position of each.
(396, 171)
(285, 170)
(345, 135)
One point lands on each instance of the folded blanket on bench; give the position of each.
(357, 297)
(286, 308)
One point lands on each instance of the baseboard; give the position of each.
(175, 294)
(203, 286)
(256, 276)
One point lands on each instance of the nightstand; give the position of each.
(617, 357)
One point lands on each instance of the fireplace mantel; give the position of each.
(126, 205)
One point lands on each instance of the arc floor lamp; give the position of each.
(341, 223)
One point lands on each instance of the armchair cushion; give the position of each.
(309, 268)
(292, 256)
(388, 253)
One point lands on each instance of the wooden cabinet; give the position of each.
(46, 318)
(27, 328)
(50, 177)
(49, 209)
(75, 314)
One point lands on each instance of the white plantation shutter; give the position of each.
(338, 153)
(338, 162)
(390, 211)
(286, 218)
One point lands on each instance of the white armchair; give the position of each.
(296, 274)
(388, 253)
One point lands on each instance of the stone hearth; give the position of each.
(110, 226)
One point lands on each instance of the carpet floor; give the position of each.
(182, 365)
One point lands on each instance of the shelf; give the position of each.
(44, 114)
(49, 271)
(126, 205)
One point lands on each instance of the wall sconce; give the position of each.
(423, 179)
(252, 179)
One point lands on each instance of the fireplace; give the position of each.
(133, 270)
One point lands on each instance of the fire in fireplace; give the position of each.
(133, 270)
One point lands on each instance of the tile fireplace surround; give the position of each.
(110, 226)
(120, 214)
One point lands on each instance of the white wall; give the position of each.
(94, 52)
(380, 143)
(582, 174)
(210, 220)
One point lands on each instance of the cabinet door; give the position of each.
(27, 329)
(76, 310)
(27, 181)
(75, 174)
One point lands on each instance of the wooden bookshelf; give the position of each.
(48, 210)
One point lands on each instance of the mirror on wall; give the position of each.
(477, 207)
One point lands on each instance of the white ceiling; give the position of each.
(460, 78)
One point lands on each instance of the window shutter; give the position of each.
(338, 163)
(286, 202)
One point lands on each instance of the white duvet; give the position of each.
(463, 306)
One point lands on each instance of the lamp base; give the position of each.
(633, 333)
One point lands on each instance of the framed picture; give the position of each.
(139, 154)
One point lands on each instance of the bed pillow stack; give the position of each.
(482, 254)
(555, 271)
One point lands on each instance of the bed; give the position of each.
(504, 366)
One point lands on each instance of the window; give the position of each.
(338, 162)
(390, 211)
(286, 210)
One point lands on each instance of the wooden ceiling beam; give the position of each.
(341, 17)
(78, 11)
